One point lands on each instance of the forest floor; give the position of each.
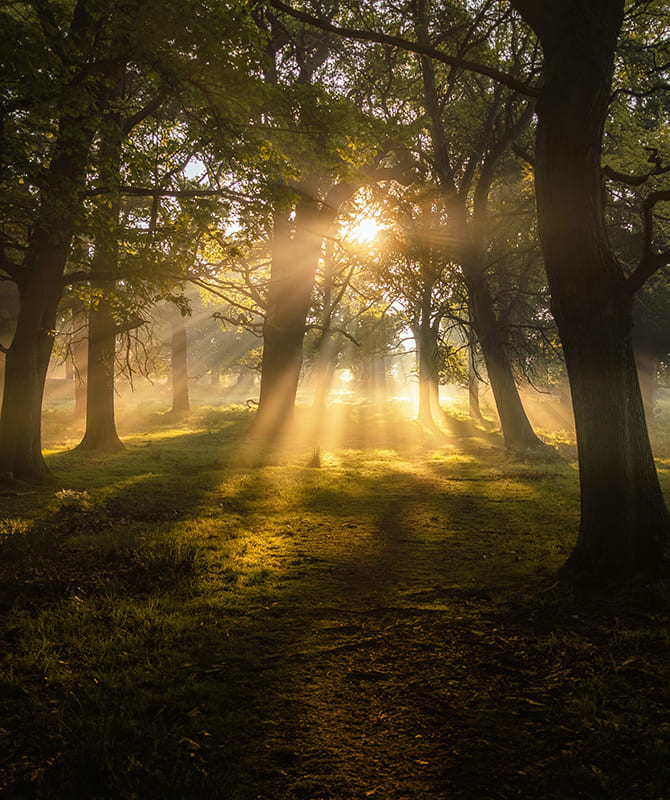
(380, 619)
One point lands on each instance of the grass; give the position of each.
(180, 620)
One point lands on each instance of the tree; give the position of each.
(465, 194)
(72, 73)
(625, 526)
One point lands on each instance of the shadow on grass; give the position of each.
(344, 632)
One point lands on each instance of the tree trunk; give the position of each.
(473, 385)
(518, 433)
(469, 225)
(328, 352)
(40, 292)
(625, 526)
(327, 348)
(79, 351)
(101, 434)
(425, 335)
(647, 367)
(294, 263)
(179, 363)
(26, 367)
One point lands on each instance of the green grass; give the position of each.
(183, 619)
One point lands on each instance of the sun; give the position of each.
(365, 230)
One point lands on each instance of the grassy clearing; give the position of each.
(179, 620)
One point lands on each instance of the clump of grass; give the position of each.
(71, 500)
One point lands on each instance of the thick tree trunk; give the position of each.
(179, 363)
(647, 367)
(625, 527)
(40, 290)
(294, 263)
(26, 368)
(518, 433)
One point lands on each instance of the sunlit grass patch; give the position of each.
(177, 622)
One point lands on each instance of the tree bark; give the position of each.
(101, 434)
(518, 433)
(40, 290)
(625, 526)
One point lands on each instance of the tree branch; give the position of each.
(81, 276)
(411, 47)
(131, 325)
(341, 331)
(633, 180)
(650, 262)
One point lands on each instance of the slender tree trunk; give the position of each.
(79, 351)
(473, 384)
(179, 363)
(328, 352)
(327, 349)
(471, 225)
(101, 434)
(518, 433)
(425, 335)
(625, 527)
